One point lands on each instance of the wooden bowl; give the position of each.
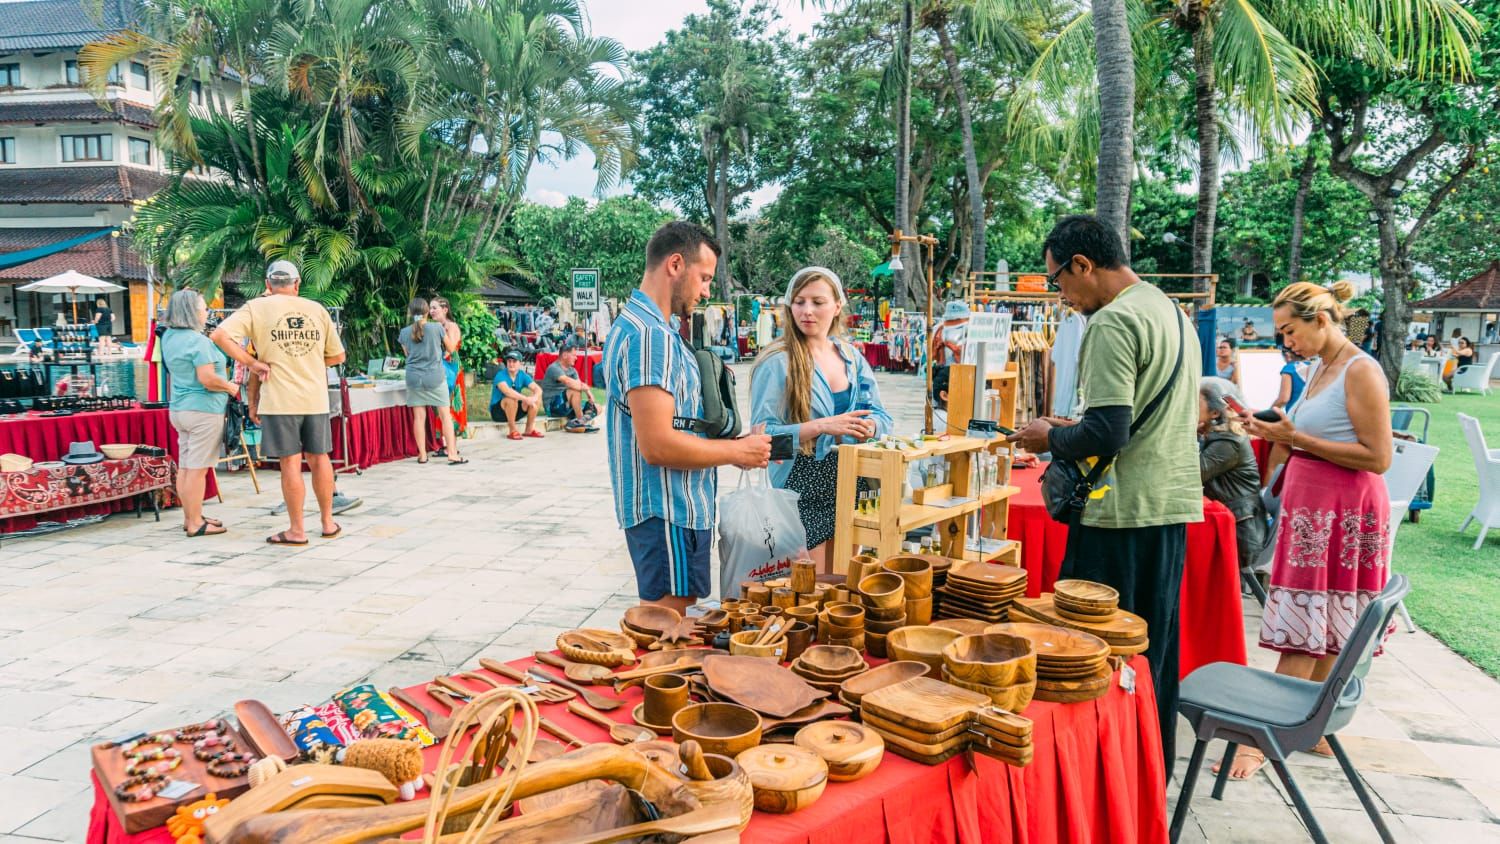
(1013, 698)
(922, 644)
(1086, 594)
(883, 590)
(730, 783)
(855, 640)
(847, 616)
(919, 610)
(648, 618)
(875, 644)
(916, 571)
(117, 451)
(805, 612)
(851, 751)
(831, 659)
(743, 644)
(884, 627)
(785, 777)
(885, 613)
(723, 728)
(584, 646)
(992, 659)
(641, 640)
(714, 620)
(965, 626)
(879, 677)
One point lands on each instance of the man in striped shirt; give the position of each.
(664, 477)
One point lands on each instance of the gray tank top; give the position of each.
(1326, 415)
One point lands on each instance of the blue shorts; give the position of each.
(669, 560)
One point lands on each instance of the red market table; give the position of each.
(877, 354)
(44, 438)
(585, 365)
(1096, 776)
(380, 427)
(1212, 622)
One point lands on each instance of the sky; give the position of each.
(639, 26)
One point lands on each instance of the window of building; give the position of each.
(197, 92)
(87, 148)
(114, 75)
(7, 150)
(139, 76)
(140, 151)
(10, 75)
(71, 73)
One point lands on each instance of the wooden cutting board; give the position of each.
(931, 706)
(1058, 645)
(1123, 628)
(933, 753)
(926, 738)
(759, 684)
(994, 574)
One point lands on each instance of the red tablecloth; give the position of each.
(47, 438)
(878, 354)
(585, 365)
(1096, 776)
(39, 491)
(1262, 449)
(382, 435)
(1212, 623)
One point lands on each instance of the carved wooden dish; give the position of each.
(883, 590)
(922, 643)
(724, 728)
(993, 659)
(597, 647)
(785, 777)
(889, 674)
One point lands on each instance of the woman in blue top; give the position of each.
(1292, 381)
(815, 386)
(199, 395)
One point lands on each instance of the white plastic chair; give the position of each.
(1487, 465)
(1411, 359)
(1409, 464)
(1476, 376)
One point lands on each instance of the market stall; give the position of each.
(1210, 603)
(585, 364)
(379, 428)
(46, 438)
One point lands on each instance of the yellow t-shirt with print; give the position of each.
(293, 335)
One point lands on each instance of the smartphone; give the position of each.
(1009, 432)
(783, 447)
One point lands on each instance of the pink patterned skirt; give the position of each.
(1331, 556)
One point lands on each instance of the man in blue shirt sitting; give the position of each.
(516, 392)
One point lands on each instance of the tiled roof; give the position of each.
(50, 24)
(494, 288)
(116, 184)
(74, 111)
(104, 257)
(1480, 293)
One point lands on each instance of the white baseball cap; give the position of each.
(283, 268)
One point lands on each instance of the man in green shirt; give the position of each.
(1138, 350)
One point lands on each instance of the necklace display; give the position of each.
(151, 757)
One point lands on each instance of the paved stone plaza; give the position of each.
(127, 625)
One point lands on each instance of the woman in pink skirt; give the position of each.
(1331, 553)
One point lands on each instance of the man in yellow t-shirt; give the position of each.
(295, 343)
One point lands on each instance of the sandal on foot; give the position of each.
(421, 460)
(459, 462)
(337, 532)
(1255, 755)
(206, 520)
(203, 530)
(1322, 748)
(283, 539)
(535, 434)
(513, 436)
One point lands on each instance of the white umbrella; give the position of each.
(71, 282)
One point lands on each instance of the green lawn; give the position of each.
(1455, 589)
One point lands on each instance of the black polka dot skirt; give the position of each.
(816, 481)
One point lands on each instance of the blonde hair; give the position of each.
(417, 310)
(1307, 300)
(799, 362)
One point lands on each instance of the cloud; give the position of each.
(545, 196)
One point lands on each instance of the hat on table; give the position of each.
(15, 463)
(84, 452)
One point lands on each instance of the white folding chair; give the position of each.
(1409, 464)
(1487, 465)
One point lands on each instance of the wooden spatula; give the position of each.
(595, 699)
(578, 672)
(540, 692)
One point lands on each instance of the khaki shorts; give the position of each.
(199, 436)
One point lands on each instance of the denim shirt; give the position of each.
(768, 402)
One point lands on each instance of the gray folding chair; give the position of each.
(1280, 715)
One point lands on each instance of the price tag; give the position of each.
(1127, 678)
(178, 788)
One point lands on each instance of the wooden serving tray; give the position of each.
(1075, 691)
(931, 706)
(933, 738)
(938, 752)
(759, 684)
(109, 765)
(996, 575)
(1060, 646)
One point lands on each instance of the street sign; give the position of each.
(586, 290)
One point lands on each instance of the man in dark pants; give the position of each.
(1132, 534)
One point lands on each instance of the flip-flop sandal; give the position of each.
(421, 460)
(281, 539)
(203, 530)
(338, 531)
(513, 436)
(206, 520)
(535, 435)
(459, 462)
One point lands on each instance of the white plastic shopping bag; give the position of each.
(760, 534)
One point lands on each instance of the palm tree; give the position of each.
(1115, 76)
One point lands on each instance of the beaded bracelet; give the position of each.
(154, 754)
(163, 739)
(139, 769)
(229, 764)
(139, 788)
(206, 749)
(213, 726)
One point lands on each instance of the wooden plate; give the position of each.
(1057, 645)
(759, 684)
(995, 574)
(1085, 617)
(1075, 691)
(947, 597)
(832, 659)
(1123, 629)
(1087, 593)
(965, 626)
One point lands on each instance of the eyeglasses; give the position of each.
(1052, 276)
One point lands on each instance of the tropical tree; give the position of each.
(1115, 76)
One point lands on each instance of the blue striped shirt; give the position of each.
(642, 350)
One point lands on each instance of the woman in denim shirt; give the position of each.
(815, 386)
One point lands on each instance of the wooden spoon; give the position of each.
(578, 672)
(621, 733)
(439, 725)
(561, 733)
